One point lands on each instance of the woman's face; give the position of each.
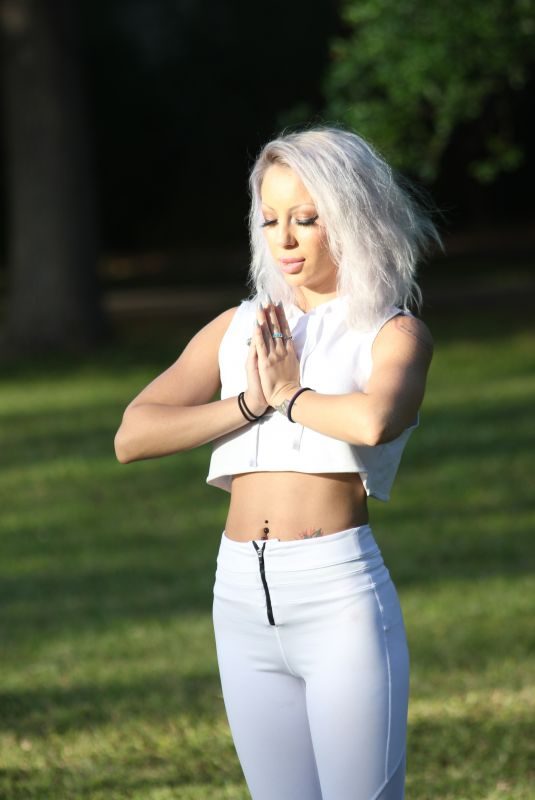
(294, 232)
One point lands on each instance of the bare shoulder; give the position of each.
(406, 324)
(405, 334)
(225, 318)
(215, 329)
(204, 346)
(194, 377)
(221, 322)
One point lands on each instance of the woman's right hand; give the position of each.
(254, 396)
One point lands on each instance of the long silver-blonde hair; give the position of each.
(376, 229)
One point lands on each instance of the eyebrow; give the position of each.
(293, 207)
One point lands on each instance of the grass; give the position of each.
(109, 678)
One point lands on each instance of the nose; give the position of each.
(285, 236)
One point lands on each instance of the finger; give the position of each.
(264, 325)
(259, 339)
(275, 326)
(285, 327)
(266, 319)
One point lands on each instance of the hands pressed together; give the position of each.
(272, 365)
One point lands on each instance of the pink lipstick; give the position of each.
(291, 265)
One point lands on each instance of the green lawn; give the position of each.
(109, 678)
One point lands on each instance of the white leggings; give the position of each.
(314, 666)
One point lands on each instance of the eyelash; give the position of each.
(304, 222)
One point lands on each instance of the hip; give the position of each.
(299, 579)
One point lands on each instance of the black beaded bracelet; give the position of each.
(247, 413)
(294, 398)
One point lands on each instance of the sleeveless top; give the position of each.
(334, 359)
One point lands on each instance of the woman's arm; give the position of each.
(401, 353)
(176, 411)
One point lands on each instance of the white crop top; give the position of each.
(334, 359)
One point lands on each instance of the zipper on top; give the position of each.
(260, 554)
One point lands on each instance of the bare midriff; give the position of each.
(294, 505)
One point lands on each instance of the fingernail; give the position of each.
(270, 301)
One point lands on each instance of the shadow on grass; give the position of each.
(467, 756)
(141, 777)
(167, 697)
(461, 757)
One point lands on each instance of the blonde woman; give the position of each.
(321, 372)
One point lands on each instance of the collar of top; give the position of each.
(334, 304)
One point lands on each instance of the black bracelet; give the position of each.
(294, 398)
(247, 413)
(244, 410)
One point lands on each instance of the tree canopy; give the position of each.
(409, 73)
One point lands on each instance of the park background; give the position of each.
(127, 131)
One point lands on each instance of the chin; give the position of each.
(295, 277)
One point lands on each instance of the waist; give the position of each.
(298, 571)
(293, 505)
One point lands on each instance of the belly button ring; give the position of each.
(266, 530)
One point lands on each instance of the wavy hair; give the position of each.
(377, 228)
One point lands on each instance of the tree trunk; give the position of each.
(52, 298)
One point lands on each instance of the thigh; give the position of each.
(265, 705)
(357, 698)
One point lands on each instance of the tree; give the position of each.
(52, 298)
(409, 73)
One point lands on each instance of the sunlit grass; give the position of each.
(109, 678)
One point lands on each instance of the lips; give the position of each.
(290, 265)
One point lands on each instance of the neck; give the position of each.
(306, 299)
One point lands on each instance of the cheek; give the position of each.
(318, 243)
(268, 240)
(325, 258)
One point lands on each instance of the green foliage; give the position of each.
(409, 73)
(110, 689)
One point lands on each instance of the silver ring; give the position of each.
(288, 337)
(277, 335)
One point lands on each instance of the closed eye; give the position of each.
(308, 221)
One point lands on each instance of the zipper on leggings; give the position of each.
(260, 554)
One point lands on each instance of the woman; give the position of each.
(322, 373)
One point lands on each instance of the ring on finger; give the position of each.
(277, 335)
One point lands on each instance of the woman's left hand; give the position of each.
(278, 365)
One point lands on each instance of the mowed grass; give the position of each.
(109, 682)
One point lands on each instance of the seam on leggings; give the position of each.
(383, 786)
(381, 609)
(288, 667)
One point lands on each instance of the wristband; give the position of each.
(247, 413)
(294, 398)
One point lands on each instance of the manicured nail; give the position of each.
(270, 301)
